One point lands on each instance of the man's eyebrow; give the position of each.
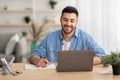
(65, 18)
(72, 19)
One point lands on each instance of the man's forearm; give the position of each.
(34, 59)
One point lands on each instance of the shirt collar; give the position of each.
(76, 32)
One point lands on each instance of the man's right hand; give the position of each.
(39, 62)
(42, 63)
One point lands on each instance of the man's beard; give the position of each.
(72, 29)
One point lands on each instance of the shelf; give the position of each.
(28, 10)
(14, 25)
(48, 10)
(7, 11)
(55, 24)
(25, 25)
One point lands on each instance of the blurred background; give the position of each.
(36, 18)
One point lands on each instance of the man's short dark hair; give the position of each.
(70, 9)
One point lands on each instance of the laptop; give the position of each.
(75, 60)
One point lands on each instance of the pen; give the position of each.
(44, 57)
(12, 60)
(46, 61)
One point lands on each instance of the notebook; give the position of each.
(75, 60)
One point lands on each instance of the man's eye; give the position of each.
(72, 21)
(65, 20)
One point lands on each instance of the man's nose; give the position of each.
(68, 23)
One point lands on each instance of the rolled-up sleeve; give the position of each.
(92, 44)
(41, 49)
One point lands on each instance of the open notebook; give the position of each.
(31, 66)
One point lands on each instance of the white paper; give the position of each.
(31, 66)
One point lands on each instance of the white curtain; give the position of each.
(101, 18)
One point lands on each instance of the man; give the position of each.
(68, 38)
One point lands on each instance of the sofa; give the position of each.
(13, 45)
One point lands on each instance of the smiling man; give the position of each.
(70, 37)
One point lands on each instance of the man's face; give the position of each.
(68, 22)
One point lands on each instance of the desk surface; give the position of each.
(49, 74)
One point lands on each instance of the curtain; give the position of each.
(101, 19)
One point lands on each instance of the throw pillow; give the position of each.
(11, 44)
(21, 50)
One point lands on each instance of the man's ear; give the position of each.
(77, 20)
(60, 19)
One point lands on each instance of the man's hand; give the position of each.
(39, 62)
(96, 60)
(42, 63)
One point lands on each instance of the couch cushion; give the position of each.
(4, 38)
(21, 49)
(11, 44)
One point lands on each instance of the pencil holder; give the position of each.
(6, 69)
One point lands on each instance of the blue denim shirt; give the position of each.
(50, 46)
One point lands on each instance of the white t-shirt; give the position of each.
(66, 45)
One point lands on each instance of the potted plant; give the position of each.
(27, 19)
(36, 32)
(52, 3)
(112, 59)
(24, 33)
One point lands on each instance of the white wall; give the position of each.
(101, 18)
